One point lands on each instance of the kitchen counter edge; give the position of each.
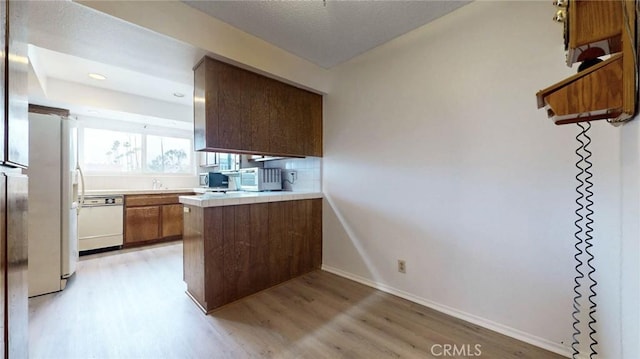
(247, 198)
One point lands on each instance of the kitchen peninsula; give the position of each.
(237, 244)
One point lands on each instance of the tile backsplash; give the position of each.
(308, 172)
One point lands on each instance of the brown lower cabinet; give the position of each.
(152, 218)
(172, 220)
(231, 252)
(142, 224)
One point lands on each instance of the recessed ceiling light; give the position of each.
(178, 94)
(97, 76)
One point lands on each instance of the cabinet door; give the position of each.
(290, 120)
(172, 220)
(315, 232)
(142, 224)
(280, 119)
(257, 133)
(231, 81)
(313, 138)
(17, 123)
(16, 315)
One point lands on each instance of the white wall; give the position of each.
(630, 250)
(435, 153)
(184, 23)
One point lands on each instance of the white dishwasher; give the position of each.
(100, 223)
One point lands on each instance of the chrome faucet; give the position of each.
(155, 184)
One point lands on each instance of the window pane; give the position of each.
(168, 154)
(112, 151)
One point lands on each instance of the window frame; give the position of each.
(135, 128)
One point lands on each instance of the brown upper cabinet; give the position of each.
(239, 111)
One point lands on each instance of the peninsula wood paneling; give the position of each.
(193, 254)
(229, 271)
(315, 231)
(213, 256)
(248, 248)
(277, 239)
(259, 256)
(242, 250)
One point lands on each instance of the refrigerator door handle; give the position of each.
(81, 201)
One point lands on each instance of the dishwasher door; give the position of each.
(100, 223)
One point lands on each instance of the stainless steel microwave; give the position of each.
(260, 179)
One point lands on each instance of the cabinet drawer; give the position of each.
(150, 200)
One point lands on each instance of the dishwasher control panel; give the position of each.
(90, 201)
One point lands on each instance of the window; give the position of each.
(168, 154)
(118, 148)
(112, 151)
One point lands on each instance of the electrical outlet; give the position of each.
(402, 266)
(291, 176)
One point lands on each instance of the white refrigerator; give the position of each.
(53, 202)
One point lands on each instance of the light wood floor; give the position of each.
(131, 304)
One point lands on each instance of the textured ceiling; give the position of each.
(142, 62)
(326, 35)
(70, 28)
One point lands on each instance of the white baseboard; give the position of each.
(497, 327)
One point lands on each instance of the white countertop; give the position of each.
(136, 191)
(236, 198)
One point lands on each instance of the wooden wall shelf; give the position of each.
(608, 89)
(593, 94)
